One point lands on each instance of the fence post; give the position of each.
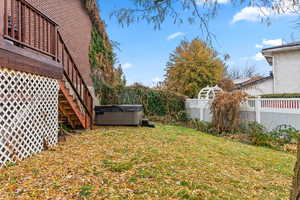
(258, 109)
(200, 109)
(201, 114)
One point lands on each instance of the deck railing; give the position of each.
(30, 28)
(27, 27)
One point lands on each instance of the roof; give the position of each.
(288, 45)
(240, 80)
(253, 81)
(268, 52)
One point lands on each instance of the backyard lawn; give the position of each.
(167, 162)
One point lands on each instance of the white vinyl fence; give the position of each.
(269, 112)
(199, 109)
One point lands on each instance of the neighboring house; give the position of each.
(285, 61)
(255, 86)
(44, 73)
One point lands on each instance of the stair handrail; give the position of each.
(83, 93)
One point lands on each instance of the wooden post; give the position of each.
(13, 18)
(56, 44)
(23, 22)
(92, 113)
(295, 191)
(19, 20)
(2, 24)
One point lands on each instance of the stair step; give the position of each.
(73, 117)
(70, 107)
(63, 101)
(62, 118)
(69, 113)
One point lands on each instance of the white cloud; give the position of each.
(275, 42)
(175, 35)
(255, 13)
(258, 57)
(223, 1)
(230, 62)
(268, 43)
(156, 80)
(259, 46)
(127, 65)
(252, 14)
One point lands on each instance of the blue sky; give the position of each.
(238, 29)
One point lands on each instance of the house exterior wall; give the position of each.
(264, 87)
(75, 26)
(286, 68)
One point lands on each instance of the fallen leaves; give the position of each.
(139, 163)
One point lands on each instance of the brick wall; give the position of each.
(75, 26)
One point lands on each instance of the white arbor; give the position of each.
(209, 92)
(200, 108)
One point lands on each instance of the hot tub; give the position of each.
(119, 115)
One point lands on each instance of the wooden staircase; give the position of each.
(75, 100)
(70, 112)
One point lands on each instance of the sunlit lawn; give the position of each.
(167, 162)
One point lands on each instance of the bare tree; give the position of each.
(234, 73)
(155, 12)
(247, 72)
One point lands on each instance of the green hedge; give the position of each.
(155, 102)
(291, 95)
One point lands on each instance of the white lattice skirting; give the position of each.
(28, 114)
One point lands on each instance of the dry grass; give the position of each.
(168, 162)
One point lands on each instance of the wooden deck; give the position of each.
(31, 42)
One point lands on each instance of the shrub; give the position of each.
(258, 134)
(280, 137)
(285, 134)
(284, 137)
(285, 95)
(181, 116)
(226, 110)
(156, 102)
(202, 126)
(226, 84)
